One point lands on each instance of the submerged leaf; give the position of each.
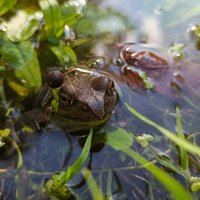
(93, 188)
(120, 139)
(182, 153)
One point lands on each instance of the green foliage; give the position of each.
(125, 138)
(22, 58)
(178, 191)
(195, 184)
(181, 142)
(144, 139)
(6, 5)
(3, 134)
(93, 188)
(182, 153)
(56, 17)
(78, 164)
(57, 186)
(64, 54)
(27, 25)
(21, 39)
(55, 101)
(54, 25)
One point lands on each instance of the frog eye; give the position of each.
(100, 83)
(65, 97)
(55, 79)
(67, 100)
(103, 84)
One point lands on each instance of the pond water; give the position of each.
(156, 26)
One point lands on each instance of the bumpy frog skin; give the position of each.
(85, 100)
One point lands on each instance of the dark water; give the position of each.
(158, 24)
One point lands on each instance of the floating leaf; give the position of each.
(125, 138)
(6, 5)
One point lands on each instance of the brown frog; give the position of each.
(82, 99)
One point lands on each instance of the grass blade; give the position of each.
(95, 191)
(174, 138)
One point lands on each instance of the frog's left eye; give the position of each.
(55, 79)
(102, 83)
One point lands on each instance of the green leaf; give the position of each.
(125, 138)
(64, 54)
(78, 164)
(23, 59)
(4, 133)
(93, 188)
(182, 153)
(6, 5)
(178, 191)
(170, 183)
(172, 136)
(54, 23)
(57, 185)
(23, 25)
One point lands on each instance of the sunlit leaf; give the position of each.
(65, 54)
(93, 188)
(6, 5)
(177, 140)
(54, 23)
(170, 183)
(4, 133)
(195, 183)
(19, 89)
(23, 25)
(23, 59)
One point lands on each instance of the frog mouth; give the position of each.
(74, 125)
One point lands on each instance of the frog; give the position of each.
(78, 99)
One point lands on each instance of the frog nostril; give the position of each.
(55, 79)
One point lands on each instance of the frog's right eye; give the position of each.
(55, 79)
